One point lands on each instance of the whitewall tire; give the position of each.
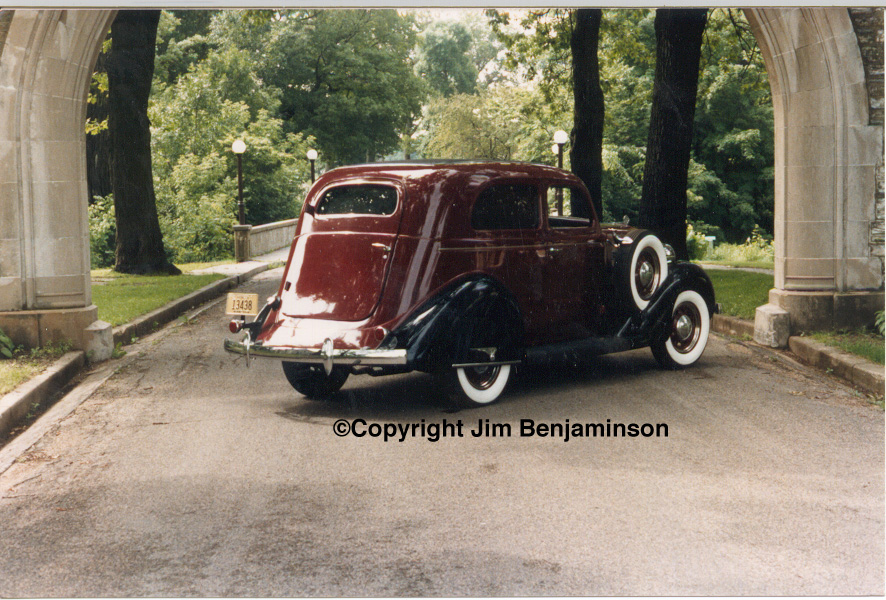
(687, 332)
(648, 269)
(479, 386)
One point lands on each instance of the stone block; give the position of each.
(864, 273)
(99, 341)
(855, 240)
(865, 145)
(809, 310)
(11, 293)
(856, 309)
(23, 327)
(810, 146)
(772, 326)
(812, 68)
(242, 250)
(801, 30)
(809, 239)
(807, 191)
(66, 324)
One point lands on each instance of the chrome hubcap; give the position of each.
(647, 272)
(683, 327)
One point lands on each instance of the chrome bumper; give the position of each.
(326, 356)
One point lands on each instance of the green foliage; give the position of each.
(730, 175)
(195, 119)
(346, 76)
(500, 122)
(880, 322)
(539, 49)
(6, 346)
(756, 248)
(443, 59)
(102, 231)
(696, 243)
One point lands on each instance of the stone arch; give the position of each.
(828, 263)
(828, 168)
(46, 62)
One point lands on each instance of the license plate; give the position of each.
(242, 304)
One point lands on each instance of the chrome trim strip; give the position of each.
(321, 356)
(488, 364)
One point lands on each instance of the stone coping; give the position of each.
(858, 371)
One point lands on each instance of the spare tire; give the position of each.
(641, 268)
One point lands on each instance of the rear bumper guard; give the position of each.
(327, 356)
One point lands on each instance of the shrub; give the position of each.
(102, 232)
(696, 243)
(757, 248)
(880, 322)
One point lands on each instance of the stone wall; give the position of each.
(272, 236)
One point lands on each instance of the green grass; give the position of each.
(122, 298)
(105, 274)
(754, 264)
(740, 292)
(861, 343)
(26, 364)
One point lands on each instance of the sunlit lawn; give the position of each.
(121, 298)
(740, 292)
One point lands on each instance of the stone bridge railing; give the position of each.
(256, 240)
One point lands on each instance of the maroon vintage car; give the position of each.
(465, 270)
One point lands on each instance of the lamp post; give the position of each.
(560, 138)
(312, 156)
(238, 148)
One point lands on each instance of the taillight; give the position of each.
(235, 326)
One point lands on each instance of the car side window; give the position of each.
(358, 200)
(567, 207)
(506, 206)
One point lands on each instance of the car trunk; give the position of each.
(340, 264)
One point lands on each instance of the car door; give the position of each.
(507, 243)
(573, 269)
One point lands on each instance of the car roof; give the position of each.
(419, 169)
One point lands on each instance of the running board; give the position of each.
(575, 350)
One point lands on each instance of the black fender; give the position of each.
(477, 311)
(654, 321)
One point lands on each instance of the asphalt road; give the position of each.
(187, 474)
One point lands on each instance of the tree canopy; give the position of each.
(360, 85)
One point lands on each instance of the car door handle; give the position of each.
(384, 247)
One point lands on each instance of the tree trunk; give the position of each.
(678, 34)
(130, 70)
(586, 152)
(98, 145)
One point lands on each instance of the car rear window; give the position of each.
(506, 206)
(358, 200)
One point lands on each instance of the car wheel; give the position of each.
(311, 380)
(471, 387)
(687, 332)
(646, 270)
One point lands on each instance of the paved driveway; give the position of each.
(187, 474)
